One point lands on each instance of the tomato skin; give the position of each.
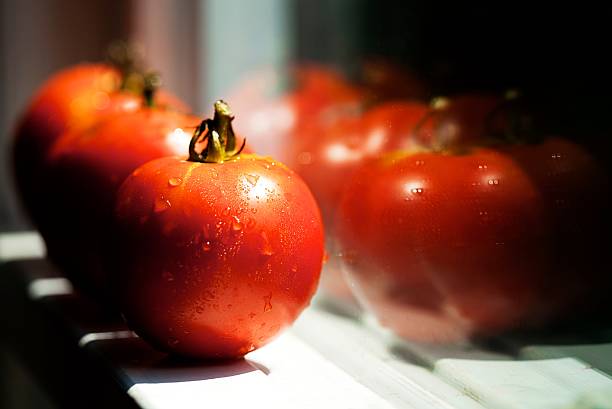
(442, 247)
(576, 192)
(75, 97)
(213, 260)
(84, 170)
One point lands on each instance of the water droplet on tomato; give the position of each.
(268, 303)
(419, 162)
(206, 246)
(226, 211)
(236, 224)
(199, 309)
(214, 173)
(266, 248)
(482, 166)
(417, 190)
(173, 342)
(161, 204)
(252, 315)
(260, 338)
(493, 181)
(168, 276)
(556, 156)
(252, 179)
(250, 223)
(173, 182)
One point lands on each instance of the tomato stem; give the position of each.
(152, 81)
(220, 137)
(127, 58)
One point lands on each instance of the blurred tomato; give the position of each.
(385, 80)
(82, 174)
(73, 98)
(316, 96)
(576, 193)
(463, 120)
(328, 160)
(444, 246)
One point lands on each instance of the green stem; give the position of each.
(220, 136)
(152, 81)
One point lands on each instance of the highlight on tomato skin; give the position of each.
(443, 247)
(83, 172)
(217, 254)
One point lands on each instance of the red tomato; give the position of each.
(577, 192)
(214, 259)
(75, 97)
(83, 172)
(317, 97)
(462, 120)
(327, 161)
(385, 80)
(444, 246)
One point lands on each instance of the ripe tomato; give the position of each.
(75, 97)
(443, 246)
(462, 120)
(385, 80)
(318, 96)
(576, 193)
(83, 172)
(218, 253)
(327, 161)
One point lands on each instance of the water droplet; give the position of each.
(419, 162)
(263, 324)
(214, 173)
(226, 211)
(161, 204)
(294, 269)
(250, 224)
(556, 156)
(236, 225)
(252, 179)
(208, 295)
(416, 190)
(260, 338)
(173, 182)
(229, 306)
(493, 181)
(173, 342)
(482, 166)
(266, 248)
(199, 309)
(206, 246)
(268, 303)
(252, 315)
(168, 276)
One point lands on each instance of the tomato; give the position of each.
(385, 80)
(463, 120)
(327, 160)
(84, 169)
(216, 254)
(318, 96)
(445, 246)
(576, 192)
(75, 97)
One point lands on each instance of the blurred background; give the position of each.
(205, 49)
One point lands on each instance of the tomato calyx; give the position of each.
(219, 135)
(152, 81)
